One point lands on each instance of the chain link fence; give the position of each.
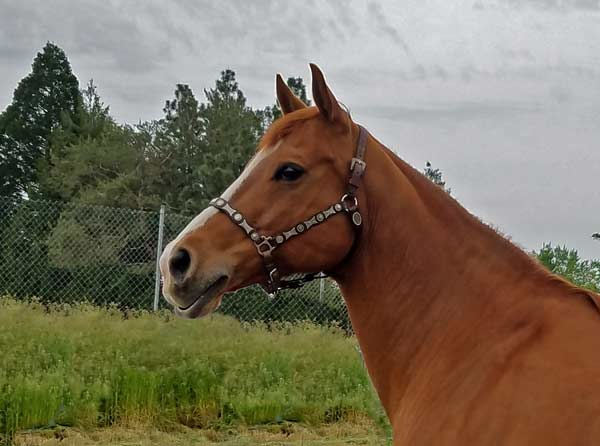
(65, 252)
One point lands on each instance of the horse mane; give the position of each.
(538, 270)
(284, 125)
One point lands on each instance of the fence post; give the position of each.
(321, 289)
(161, 227)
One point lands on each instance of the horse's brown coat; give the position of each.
(467, 339)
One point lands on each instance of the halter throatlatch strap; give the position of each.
(265, 245)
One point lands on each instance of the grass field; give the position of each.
(293, 435)
(84, 375)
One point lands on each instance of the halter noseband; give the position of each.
(265, 245)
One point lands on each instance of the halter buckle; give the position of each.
(265, 246)
(361, 165)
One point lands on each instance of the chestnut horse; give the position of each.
(466, 338)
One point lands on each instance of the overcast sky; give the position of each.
(503, 96)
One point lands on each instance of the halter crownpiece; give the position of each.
(265, 245)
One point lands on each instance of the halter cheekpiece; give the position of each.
(265, 245)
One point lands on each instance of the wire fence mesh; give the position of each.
(66, 252)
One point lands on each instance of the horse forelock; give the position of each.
(284, 125)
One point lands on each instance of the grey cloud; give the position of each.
(440, 73)
(90, 29)
(543, 71)
(344, 13)
(560, 93)
(336, 30)
(471, 76)
(460, 111)
(556, 5)
(262, 23)
(375, 12)
(419, 72)
(515, 55)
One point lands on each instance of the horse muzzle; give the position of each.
(192, 292)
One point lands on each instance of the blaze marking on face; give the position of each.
(201, 219)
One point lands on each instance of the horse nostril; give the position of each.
(179, 263)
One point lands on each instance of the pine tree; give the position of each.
(13, 168)
(273, 112)
(435, 175)
(41, 101)
(231, 131)
(179, 148)
(297, 86)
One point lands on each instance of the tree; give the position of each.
(91, 122)
(273, 112)
(297, 86)
(567, 263)
(231, 131)
(90, 153)
(435, 175)
(13, 166)
(41, 101)
(184, 159)
(596, 235)
(106, 170)
(91, 119)
(179, 151)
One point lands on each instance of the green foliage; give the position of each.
(296, 84)
(13, 166)
(103, 170)
(23, 249)
(62, 143)
(97, 161)
(596, 235)
(64, 252)
(85, 367)
(435, 175)
(91, 120)
(231, 133)
(179, 151)
(59, 252)
(567, 263)
(184, 159)
(304, 304)
(41, 101)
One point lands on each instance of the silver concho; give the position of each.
(237, 217)
(338, 207)
(254, 236)
(356, 218)
(320, 217)
(279, 239)
(300, 228)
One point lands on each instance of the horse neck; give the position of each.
(422, 264)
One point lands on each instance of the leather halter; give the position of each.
(265, 245)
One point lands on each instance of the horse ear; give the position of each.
(288, 101)
(324, 98)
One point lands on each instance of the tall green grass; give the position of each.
(89, 367)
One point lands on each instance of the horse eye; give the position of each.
(289, 172)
